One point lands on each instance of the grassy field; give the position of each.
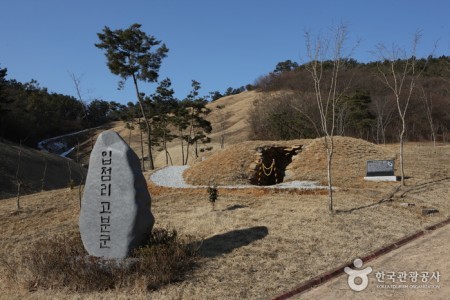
(256, 243)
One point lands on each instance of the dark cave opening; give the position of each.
(271, 164)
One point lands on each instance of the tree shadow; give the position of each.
(343, 211)
(236, 206)
(388, 198)
(227, 242)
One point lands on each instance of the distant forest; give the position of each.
(287, 109)
(30, 113)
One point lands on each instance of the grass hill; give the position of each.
(36, 170)
(230, 122)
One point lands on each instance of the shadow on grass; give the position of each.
(347, 211)
(227, 242)
(234, 207)
(388, 198)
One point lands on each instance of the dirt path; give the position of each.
(429, 253)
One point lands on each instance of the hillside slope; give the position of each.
(231, 119)
(33, 164)
(230, 122)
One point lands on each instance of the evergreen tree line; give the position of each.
(30, 113)
(229, 91)
(365, 110)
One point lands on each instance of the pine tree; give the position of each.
(130, 54)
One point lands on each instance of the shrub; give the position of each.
(213, 194)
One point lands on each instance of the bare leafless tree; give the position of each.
(384, 112)
(328, 92)
(341, 118)
(77, 82)
(399, 72)
(223, 117)
(80, 186)
(428, 103)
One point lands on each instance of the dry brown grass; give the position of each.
(61, 263)
(33, 163)
(235, 112)
(349, 161)
(257, 244)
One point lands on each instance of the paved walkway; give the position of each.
(429, 253)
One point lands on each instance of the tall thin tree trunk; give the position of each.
(402, 170)
(166, 152)
(330, 184)
(129, 137)
(147, 124)
(196, 148)
(165, 142)
(182, 147)
(189, 137)
(80, 186)
(330, 149)
(18, 195)
(43, 176)
(17, 177)
(170, 158)
(71, 181)
(401, 138)
(142, 145)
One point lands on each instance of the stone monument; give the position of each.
(380, 170)
(115, 213)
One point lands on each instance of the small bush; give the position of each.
(166, 258)
(213, 194)
(71, 184)
(62, 263)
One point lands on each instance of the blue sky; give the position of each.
(218, 43)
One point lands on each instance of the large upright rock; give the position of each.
(115, 213)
